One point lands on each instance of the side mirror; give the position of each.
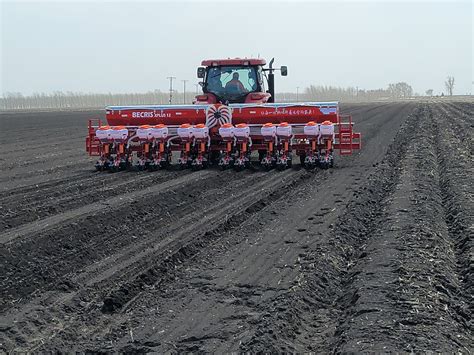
(201, 84)
(201, 72)
(284, 70)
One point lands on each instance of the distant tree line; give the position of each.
(69, 100)
(400, 90)
(72, 100)
(328, 93)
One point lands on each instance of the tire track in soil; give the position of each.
(405, 294)
(190, 223)
(217, 326)
(261, 272)
(63, 248)
(72, 193)
(66, 286)
(154, 261)
(241, 288)
(14, 193)
(368, 251)
(183, 240)
(90, 206)
(28, 177)
(307, 319)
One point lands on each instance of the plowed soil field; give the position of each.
(375, 254)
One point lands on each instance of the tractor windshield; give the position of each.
(232, 83)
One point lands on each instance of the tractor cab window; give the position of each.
(232, 82)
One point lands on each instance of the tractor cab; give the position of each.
(236, 81)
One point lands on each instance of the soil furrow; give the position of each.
(68, 195)
(456, 163)
(104, 202)
(320, 301)
(76, 243)
(397, 307)
(151, 258)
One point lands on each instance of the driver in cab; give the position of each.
(235, 85)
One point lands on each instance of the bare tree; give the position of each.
(429, 92)
(449, 83)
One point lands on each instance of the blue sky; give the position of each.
(125, 46)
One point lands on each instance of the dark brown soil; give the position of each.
(373, 255)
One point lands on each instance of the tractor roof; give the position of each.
(233, 61)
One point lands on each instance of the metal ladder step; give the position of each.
(345, 135)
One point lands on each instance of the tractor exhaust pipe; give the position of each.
(271, 81)
(271, 78)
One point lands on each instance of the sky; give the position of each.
(133, 46)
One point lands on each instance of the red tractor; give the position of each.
(235, 116)
(230, 81)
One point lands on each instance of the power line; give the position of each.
(184, 90)
(171, 88)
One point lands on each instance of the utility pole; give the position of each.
(171, 88)
(184, 90)
(297, 93)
